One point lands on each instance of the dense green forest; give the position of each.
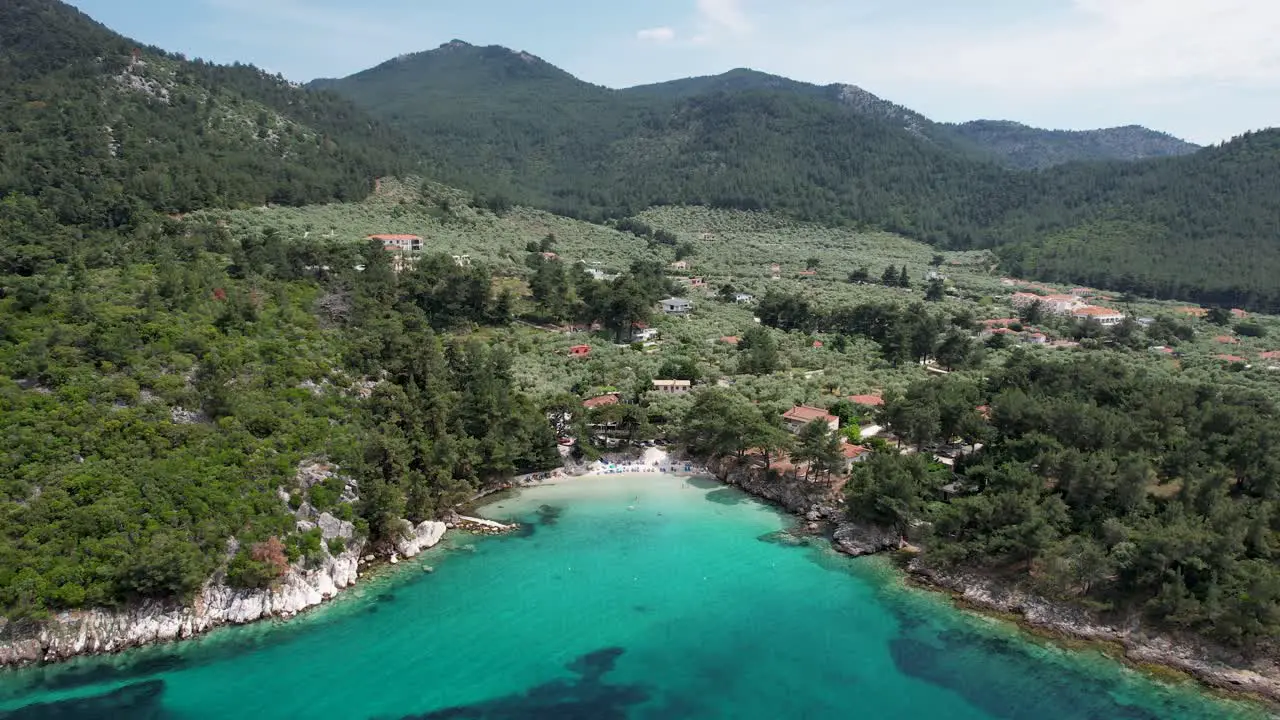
(153, 407)
(1098, 483)
(1031, 148)
(100, 130)
(507, 123)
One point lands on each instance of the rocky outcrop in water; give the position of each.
(814, 501)
(857, 539)
(1214, 666)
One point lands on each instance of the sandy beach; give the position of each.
(652, 460)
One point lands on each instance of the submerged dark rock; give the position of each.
(587, 698)
(140, 701)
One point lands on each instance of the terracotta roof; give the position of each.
(1000, 322)
(601, 401)
(868, 400)
(1270, 355)
(817, 343)
(807, 414)
(730, 339)
(853, 452)
(1231, 358)
(1226, 340)
(1239, 313)
(1095, 311)
(386, 238)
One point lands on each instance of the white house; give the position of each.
(672, 387)
(643, 334)
(1106, 317)
(676, 306)
(743, 298)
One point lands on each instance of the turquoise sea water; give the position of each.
(626, 597)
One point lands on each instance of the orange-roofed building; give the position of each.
(870, 400)
(730, 339)
(580, 351)
(799, 416)
(1239, 314)
(1104, 316)
(601, 401)
(1270, 355)
(1231, 358)
(853, 454)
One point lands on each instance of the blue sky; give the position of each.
(1205, 70)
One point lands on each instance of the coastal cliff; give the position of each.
(814, 501)
(100, 630)
(1214, 666)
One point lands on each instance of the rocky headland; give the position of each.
(303, 586)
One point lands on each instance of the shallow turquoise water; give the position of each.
(627, 597)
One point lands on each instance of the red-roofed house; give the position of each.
(808, 273)
(1270, 355)
(730, 339)
(1239, 314)
(817, 344)
(867, 400)
(799, 416)
(580, 351)
(1104, 316)
(853, 454)
(601, 401)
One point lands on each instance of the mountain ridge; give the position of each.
(100, 127)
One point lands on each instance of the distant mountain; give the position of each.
(1029, 148)
(1102, 209)
(97, 127)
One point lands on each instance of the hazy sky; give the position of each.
(1205, 70)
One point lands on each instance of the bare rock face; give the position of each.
(99, 630)
(331, 527)
(857, 540)
(419, 538)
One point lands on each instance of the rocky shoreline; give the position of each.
(104, 631)
(1217, 668)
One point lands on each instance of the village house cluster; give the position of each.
(1072, 305)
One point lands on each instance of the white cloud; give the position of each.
(657, 35)
(723, 16)
(1112, 44)
(1155, 62)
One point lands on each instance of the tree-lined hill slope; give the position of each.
(1105, 207)
(99, 128)
(1025, 147)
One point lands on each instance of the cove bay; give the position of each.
(645, 596)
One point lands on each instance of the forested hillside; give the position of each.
(100, 130)
(510, 125)
(1029, 148)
